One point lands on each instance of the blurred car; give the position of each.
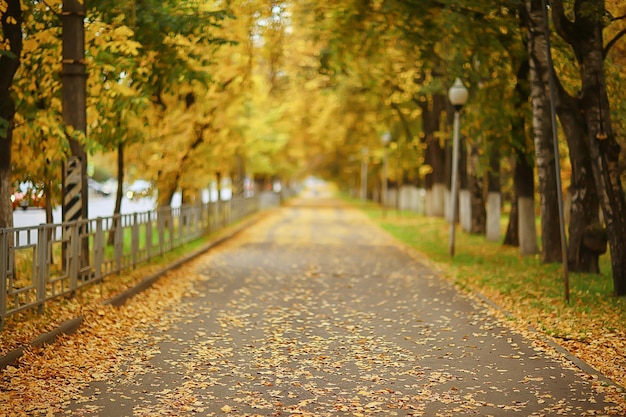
(27, 195)
(98, 188)
(138, 189)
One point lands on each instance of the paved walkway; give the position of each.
(315, 311)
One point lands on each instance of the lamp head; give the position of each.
(458, 94)
(386, 138)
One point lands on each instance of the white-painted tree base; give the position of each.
(527, 227)
(494, 210)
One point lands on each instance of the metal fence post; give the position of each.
(98, 247)
(40, 265)
(135, 239)
(161, 230)
(201, 219)
(118, 247)
(149, 236)
(170, 226)
(74, 244)
(182, 224)
(4, 255)
(209, 217)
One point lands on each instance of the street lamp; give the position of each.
(458, 97)
(385, 139)
(364, 156)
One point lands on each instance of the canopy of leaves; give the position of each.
(289, 87)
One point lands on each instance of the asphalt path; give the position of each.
(315, 311)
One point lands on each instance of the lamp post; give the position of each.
(458, 97)
(385, 139)
(364, 155)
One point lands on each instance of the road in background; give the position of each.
(99, 206)
(102, 206)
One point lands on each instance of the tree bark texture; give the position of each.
(525, 190)
(11, 21)
(119, 193)
(475, 186)
(584, 35)
(435, 151)
(494, 198)
(585, 206)
(238, 176)
(523, 175)
(74, 91)
(511, 237)
(542, 133)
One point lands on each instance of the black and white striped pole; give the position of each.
(74, 95)
(74, 98)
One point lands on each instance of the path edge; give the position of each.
(72, 325)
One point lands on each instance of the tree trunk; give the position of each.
(479, 215)
(525, 190)
(74, 95)
(585, 207)
(12, 34)
(511, 238)
(435, 155)
(494, 198)
(119, 193)
(523, 175)
(585, 37)
(542, 133)
(238, 175)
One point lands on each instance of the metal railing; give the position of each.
(41, 263)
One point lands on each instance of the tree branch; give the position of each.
(51, 7)
(612, 42)
(11, 23)
(564, 27)
(405, 123)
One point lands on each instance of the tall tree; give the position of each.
(542, 134)
(11, 21)
(74, 96)
(584, 33)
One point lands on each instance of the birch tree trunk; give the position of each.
(525, 190)
(542, 133)
(523, 175)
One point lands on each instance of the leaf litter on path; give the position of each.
(311, 312)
